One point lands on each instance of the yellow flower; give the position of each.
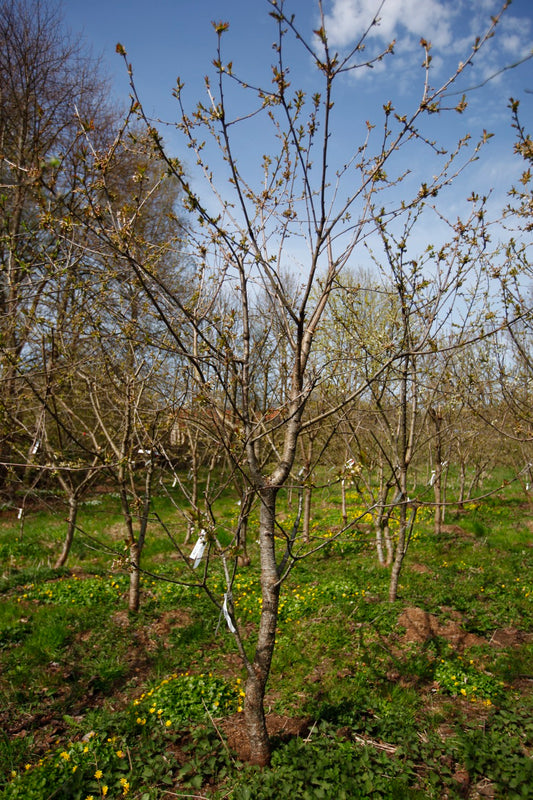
(65, 755)
(120, 754)
(98, 774)
(168, 723)
(125, 785)
(104, 791)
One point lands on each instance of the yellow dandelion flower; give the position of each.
(120, 753)
(105, 790)
(98, 774)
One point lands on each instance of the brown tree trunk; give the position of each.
(72, 516)
(254, 712)
(308, 493)
(344, 512)
(135, 579)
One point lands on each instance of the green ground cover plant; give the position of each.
(99, 703)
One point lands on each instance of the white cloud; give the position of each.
(450, 25)
(516, 35)
(349, 19)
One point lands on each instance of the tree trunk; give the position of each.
(379, 543)
(308, 492)
(437, 491)
(259, 670)
(383, 536)
(462, 486)
(404, 535)
(343, 503)
(72, 515)
(135, 576)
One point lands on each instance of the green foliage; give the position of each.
(77, 591)
(327, 767)
(501, 753)
(207, 760)
(388, 716)
(458, 677)
(181, 699)
(93, 766)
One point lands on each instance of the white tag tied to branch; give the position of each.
(198, 550)
(226, 613)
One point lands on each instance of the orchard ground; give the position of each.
(429, 697)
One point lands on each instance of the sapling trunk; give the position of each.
(259, 671)
(71, 527)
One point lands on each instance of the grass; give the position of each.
(97, 703)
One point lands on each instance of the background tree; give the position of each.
(45, 76)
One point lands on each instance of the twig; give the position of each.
(215, 726)
(308, 737)
(388, 748)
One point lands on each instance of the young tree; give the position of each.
(245, 234)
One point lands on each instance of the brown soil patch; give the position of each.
(420, 568)
(510, 637)
(455, 530)
(420, 626)
(278, 726)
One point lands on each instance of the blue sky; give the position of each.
(169, 38)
